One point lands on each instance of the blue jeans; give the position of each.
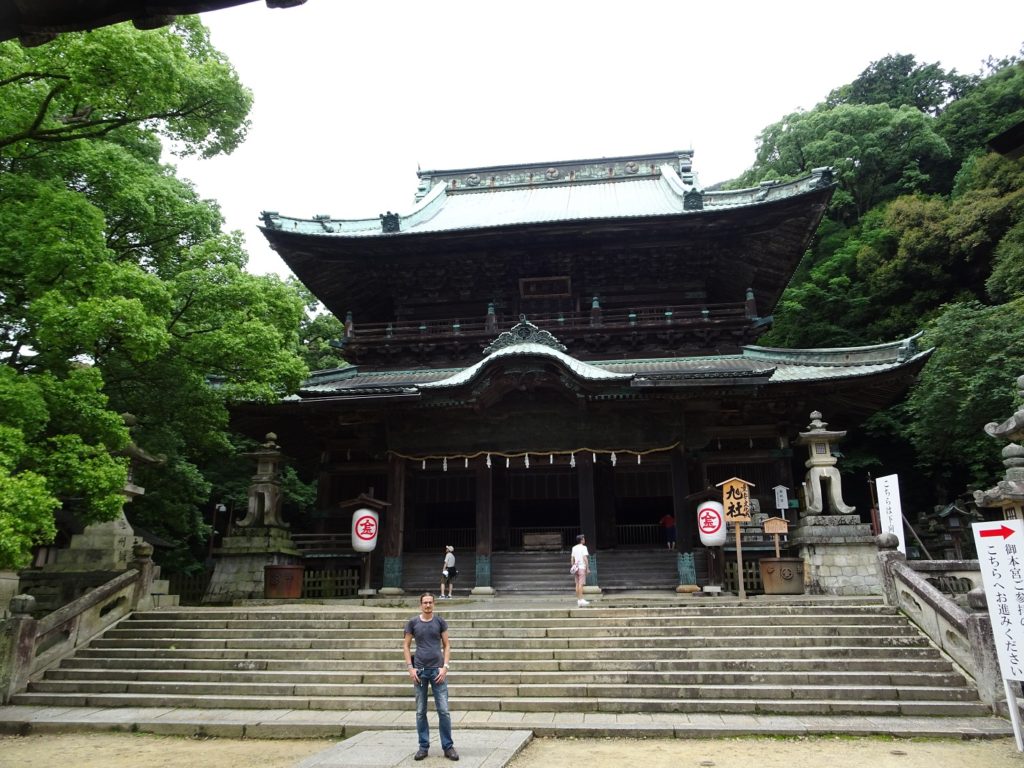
(428, 676)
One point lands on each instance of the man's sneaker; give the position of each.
(582, 603)
(451, 754)
(421, 754)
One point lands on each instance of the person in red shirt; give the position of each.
(668, 526)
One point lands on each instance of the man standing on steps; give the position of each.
(430, 667)
(579, 566)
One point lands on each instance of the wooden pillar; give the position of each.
(484, 525)
(394, 527)
(604, 503)
(686, 516)
(499, 504)
(588, 516)
(484, 510)
(394, 522)
(588, 500)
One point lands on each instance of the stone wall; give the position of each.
(840, 554)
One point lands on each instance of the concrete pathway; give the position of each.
(384, 749)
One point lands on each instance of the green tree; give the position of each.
(118, 291)
(969, 382)
(877, 151)
(899, 80)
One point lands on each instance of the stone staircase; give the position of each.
(548, 572)
(796, 655)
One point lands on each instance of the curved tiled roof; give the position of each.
(621, 198)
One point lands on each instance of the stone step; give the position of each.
(802, 657)
(784, 705)
(920, 650)
(59, 679)
(502, 625)
(471, 634)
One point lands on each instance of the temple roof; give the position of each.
(755, 365)
(39, 21)
(515, 195)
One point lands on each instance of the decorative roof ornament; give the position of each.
(390, 222)
(524, 332)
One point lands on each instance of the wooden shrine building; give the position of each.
(562, 347)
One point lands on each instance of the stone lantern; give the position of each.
(821, 465)
(1008, 493)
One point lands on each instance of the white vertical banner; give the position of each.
(890, 511)
(1000, 546)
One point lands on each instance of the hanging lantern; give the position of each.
(527, 461)
(613, 458)
(466, 462)
(638, 459)
(594, 455)
(444, 464)
(488, 461)
(572, 459)
(424, 464)
(507, 462)
(551, 458)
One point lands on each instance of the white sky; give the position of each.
(352, 95)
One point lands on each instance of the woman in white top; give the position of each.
(580, 567)
(448, 571)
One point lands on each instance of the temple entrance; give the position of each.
(543, 508)
(643, 495)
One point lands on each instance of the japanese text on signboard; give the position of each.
(1000, 548)
(736, 500)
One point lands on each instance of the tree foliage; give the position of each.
(926, 232)
(118, 290)
(877, 152)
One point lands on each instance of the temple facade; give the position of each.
(546, 349)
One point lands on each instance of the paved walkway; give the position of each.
(383, 749)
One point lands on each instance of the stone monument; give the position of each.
(259, 539)
(838, 549)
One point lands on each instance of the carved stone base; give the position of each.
(238, 572)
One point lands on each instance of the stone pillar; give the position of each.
(484, 521)
(17, 646)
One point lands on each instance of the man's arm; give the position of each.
(407, 652)
(442, 673)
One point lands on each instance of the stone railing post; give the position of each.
(888, 553)
(17, 646)
(987, 674)
(143, 563)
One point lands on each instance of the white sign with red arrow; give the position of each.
(1000, 546)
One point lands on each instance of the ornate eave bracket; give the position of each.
(524, 332)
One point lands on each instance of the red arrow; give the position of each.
(1002, 531)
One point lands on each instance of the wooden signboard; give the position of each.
(736, 500)
(736, 503)
(776, 525)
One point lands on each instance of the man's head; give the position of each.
(580, 539)
(426, 604)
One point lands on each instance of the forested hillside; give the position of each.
(925, 233)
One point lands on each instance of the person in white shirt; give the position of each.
(580, 566)
(448, 571)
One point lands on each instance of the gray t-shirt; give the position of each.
(427, 634)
